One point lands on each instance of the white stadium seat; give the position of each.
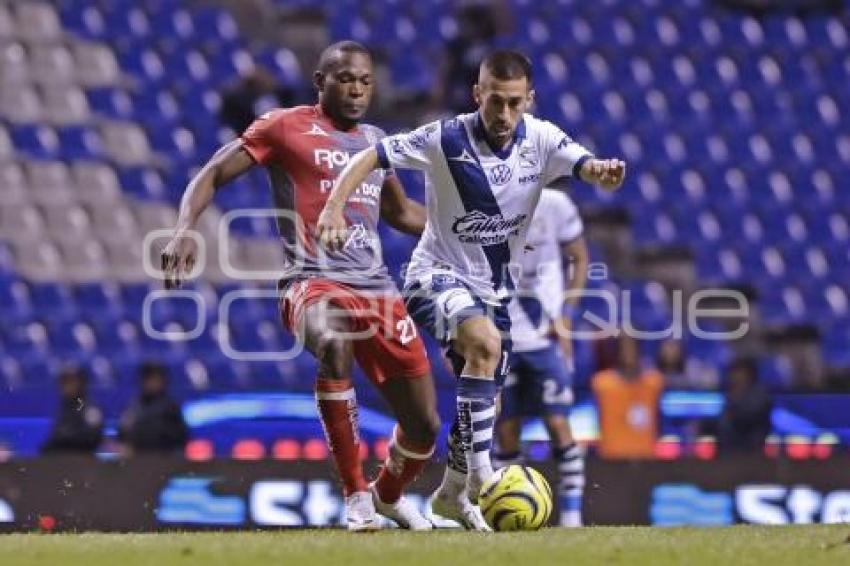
(52, 65)
(20, 104)
(95, 65)
(126, 143)
(14, 64)
(37, 22)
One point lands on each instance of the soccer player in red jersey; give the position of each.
(342, 305)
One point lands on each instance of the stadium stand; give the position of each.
(737, 141)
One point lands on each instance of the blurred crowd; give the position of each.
(627, 393)
(152, 423)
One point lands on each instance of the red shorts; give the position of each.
(386, 341)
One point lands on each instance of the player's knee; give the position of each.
(484, 352)
(334, 354)
(424, 431)
(432, 427)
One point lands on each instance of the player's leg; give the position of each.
(395, 360)
(438, 308)
(479, 344)
(414, 404)
(557, 399)
(569, 457)
(323, 336)
(507, 441)
(509, 422)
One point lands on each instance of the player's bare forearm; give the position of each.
(577, 276)
(351, 177)
(399, 211)
(178, 257)
(228, 163)
(606, 174)
(331, 224)
(575, 255)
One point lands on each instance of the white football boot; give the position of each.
(457, 507)
(403, 512)
(360, 512)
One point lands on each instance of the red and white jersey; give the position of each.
(304, 153)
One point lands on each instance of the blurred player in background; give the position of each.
(329, 296)
(484, 175)
(540, 380)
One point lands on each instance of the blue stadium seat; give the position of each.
(54, 300)
(15, 304)
(775, 372)
(111, 102)
(80, 143)
(836, 344)
(143, 183)
(37, 141)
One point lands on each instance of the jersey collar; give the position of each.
(480, 134)
(322, 116)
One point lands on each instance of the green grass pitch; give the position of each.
(741, 545)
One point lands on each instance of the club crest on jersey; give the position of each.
(528, 156)
(500, 174)
(397, 146)
(477, 227)
(316, 130)
(418, 140)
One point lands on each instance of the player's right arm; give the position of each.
(228, 163)
(260, 144)
(413, 150)
(333, 230)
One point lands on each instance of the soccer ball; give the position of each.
(516, 498)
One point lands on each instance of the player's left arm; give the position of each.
(575, 260)
(607, 174)
(568, 158)
(400, 211)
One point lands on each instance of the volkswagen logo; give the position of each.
(500, 174)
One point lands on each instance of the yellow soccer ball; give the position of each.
(516, 498)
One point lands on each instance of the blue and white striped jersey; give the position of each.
(480, 199)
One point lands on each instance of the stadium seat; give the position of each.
(65, 106)
(80, 143)
(37, 22)
(96, 65)
(95, 182)
(22, 221)
(126, 144)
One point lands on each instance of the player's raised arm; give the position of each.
(400, 211)
(606, 174)
(229, 162)
(568, 158)
(331, 225)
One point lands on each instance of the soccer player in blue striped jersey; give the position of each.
(553, 275)
(484, 175)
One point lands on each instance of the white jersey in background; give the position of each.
(540, 285)
(480, 200)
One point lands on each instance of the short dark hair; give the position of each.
(507, 64)
(151, 369)
(73, 372)
(745, 364)
(328, 56)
